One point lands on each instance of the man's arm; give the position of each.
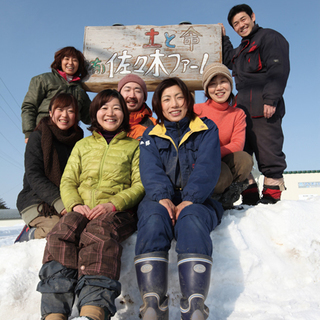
(227, 48)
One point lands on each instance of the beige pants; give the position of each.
(235, 167)
(43, 225)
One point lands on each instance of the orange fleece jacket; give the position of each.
(231, 122)
(136, 129)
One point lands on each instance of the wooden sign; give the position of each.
(151, 52)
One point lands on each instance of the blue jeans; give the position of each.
(192, 229)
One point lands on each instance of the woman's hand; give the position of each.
(83, 209)
(167, 203)
(181, 206)
(63, 212)
(99, 210)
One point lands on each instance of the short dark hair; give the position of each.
(237, 9)
(101, 99)
(62, 100)
(70, 52)
(167, 83)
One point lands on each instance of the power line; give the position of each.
(10, 94)
(12, 161)
(10, 142)
(8, 115)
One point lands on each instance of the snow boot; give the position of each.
(232, 194)
(93, 313)
(272, 190)
(250, 196)
(152, 277)
(26, 234)
(194, 275)
(56, 316)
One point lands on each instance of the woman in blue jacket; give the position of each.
(179, 167)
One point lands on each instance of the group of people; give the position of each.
(169, 178)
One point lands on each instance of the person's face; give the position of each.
(64, 118)
(110, 115)
(70, 65)
(133, 96)
(219, 88)
(173, 104)
(242, 23)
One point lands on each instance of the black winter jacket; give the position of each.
(36, 186)
(261, 68)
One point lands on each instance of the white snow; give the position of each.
(266, 265)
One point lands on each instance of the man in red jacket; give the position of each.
(261, 68)
(134, 91)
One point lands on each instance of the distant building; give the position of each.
(301, 185)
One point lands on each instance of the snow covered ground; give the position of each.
(266, 266)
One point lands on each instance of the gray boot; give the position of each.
(152, 277)
(194, 275)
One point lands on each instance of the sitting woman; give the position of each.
(179, 167)
(236, 164)
(100, 187)
(46, 155)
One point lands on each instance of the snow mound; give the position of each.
(266, 266)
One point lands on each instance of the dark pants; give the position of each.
(264, 138)
(192, 229)
(83, 256)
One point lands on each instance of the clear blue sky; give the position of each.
(32, 31)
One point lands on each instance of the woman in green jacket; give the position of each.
(68, 69)
(100, 188)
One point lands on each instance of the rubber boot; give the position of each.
(194, 275)
(152, 277)
(251, 196)
(272, 190)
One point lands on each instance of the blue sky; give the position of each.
(32, 31)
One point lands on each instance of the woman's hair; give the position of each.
(61, 100)
(167, 83)
(101, 99)
(70, 52)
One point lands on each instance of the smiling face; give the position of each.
(242, 23)
(219, 88)
(133, 96)
(70, 65)
(63, 117)
(173, 104)
(110, 115)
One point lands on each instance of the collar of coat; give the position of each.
(195, 125)
(118, 136)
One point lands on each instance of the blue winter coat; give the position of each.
(181, 160)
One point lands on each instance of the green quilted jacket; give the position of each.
(98, 172)
(42, 89)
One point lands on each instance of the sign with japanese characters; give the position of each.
(151, 52)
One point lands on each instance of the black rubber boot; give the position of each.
(152, 276)
(251, 196)
(194, 275)
(232, 194)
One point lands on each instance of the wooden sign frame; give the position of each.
(151, 52)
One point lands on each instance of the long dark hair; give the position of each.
(167, 83)
(101, 99)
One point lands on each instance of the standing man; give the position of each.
(261, 68)
(134, 91)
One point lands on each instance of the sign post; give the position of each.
(151, 52)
